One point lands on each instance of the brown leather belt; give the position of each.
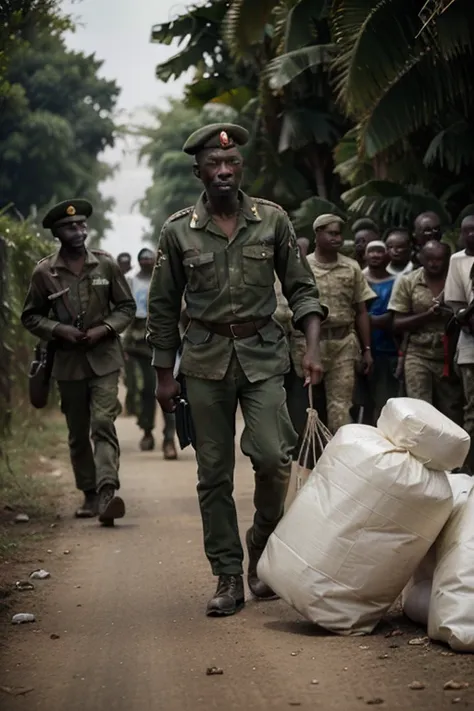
(235, 330)
(336, 333)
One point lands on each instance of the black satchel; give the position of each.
(183, 418)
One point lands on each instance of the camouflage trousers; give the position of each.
(338, 360)
(424, 380)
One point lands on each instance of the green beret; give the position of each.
(67, 211)
(216, 135)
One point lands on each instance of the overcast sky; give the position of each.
(118, 32)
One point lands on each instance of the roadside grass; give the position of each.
(30, 480)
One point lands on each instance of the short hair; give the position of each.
(365, 223)
(402, 230)
(142, 252)
(124, 255)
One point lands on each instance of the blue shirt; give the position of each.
(382, 341)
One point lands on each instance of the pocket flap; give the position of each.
(199, 259)
(257, 251)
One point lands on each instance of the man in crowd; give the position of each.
(399, 248)
(222, 253)
(381, 384)
(364, 230)
(139, 353)
(427, 227)
(79, 299)
(459, 295)
(346, 332)
(124, 260)
(419, 311)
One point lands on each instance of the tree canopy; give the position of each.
(56, 114)
(353, 105)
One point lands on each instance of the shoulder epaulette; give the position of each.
(44, 259)
(177, 215)
(263, 201)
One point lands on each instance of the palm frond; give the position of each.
(244, 24)
(282, 70)
(452, 148)
(302, 127)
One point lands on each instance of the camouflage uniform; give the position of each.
(429, 375)
(341, 285)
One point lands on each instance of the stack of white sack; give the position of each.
(452, 557)
(366, 517)
(451, 614)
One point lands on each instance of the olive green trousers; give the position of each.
(90, 407)
(268, 439)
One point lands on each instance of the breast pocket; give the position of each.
(201, 272)
(257, 265)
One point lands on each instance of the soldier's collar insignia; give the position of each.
(255, 211)
(194, 220)
(71, 210)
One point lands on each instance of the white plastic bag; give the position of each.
(451, 616)
(356, 532)
(423, 431)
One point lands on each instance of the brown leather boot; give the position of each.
(229, 597)
(259, 589)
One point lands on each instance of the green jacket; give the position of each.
(100, 295)
(227, 281)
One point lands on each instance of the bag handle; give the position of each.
(315, 433)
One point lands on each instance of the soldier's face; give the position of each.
(330, 238)
(220, 171)
(72, 235)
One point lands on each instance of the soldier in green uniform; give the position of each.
(223, 253)
(79, 299)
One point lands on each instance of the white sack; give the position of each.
(451, 616)
(356, 531)
(416, 594)
(423, 431)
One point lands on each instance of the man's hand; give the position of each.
(96, 334)
(312, 369)
(167, 390)
(69, 333)
(367, 362)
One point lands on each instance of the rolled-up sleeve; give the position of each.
(296, 277)
(164, 301)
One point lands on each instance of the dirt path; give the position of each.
(127, 604)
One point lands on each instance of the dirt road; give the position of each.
(128, 607)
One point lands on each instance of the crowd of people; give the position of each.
(391, 329)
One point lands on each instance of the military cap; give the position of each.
(67, 211)
(325, 220)
(216, 135)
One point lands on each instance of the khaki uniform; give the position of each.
(87, 376)
(428, 374)
(342, 286)
(229, 282)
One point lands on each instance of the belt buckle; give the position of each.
(231, 328)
